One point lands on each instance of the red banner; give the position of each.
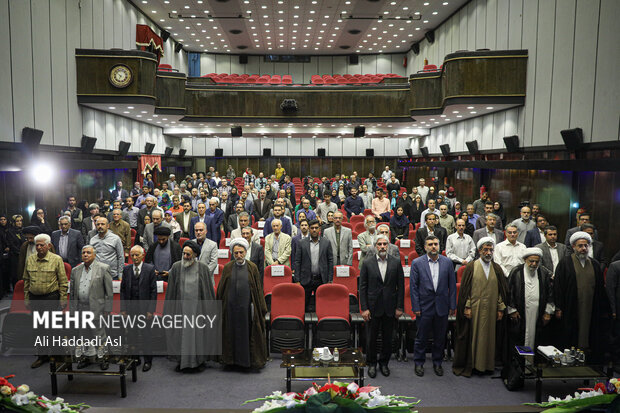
(146, 37)
(147, 164)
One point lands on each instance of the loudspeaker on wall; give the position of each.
(219, 152)
(320, 152)
(88, 144)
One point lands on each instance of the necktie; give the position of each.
(136, 272)
(338, 246)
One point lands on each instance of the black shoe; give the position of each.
(385, 370)
(438, 370)
(38, 362)
(137, 361)
(147, 366)
(419, 370)
(372, 372)
(83, 364)
(105, 365)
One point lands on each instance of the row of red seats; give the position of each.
(350, 79)
(245, 78)
(430, 68)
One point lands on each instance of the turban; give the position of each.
(193, 245)
(31, 230)
(580, 235)
(532, 251)
(161, 230)
(484, 240)
(240, 242)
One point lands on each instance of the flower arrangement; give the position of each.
(601, 394)
(335, 397)
(21, 399)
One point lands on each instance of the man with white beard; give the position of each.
(530, 300)
(189, 286)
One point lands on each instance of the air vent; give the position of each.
(235, 31)
(345, 47)
(354, 31)
(242, 47)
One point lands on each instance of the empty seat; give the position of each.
(275, 80)
(182, 241)
(348, 276)
(287, 79)
(406, 246)
(164, 67)
(274, 275)
(430, 68)
(287, 317)
(333, 328)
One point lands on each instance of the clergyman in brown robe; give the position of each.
(481, 303)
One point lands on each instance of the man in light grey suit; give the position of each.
(91, 290)
(553, 251)
(149, 236)
(341, 239)
(277, 246)
(208, 248)
(489, 230)
(367, 238)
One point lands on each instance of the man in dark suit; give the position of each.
(119, 193)
(489, 230)
(163, 253)
(68, 242)
(382, 301)
(150, 203)
(304, 232)
(431, 228)
(262, 206)
(313, 261)
(536, 235)
(255, 252)
(432, 285)
(552, 251)
(139, 296)
(184, 218)
(232, 222)
(597, 250)
(215, 220)
(88, 223)
(201, 207)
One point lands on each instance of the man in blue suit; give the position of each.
(68, 242)
(215, 220)
(432, 284)
(536, 235)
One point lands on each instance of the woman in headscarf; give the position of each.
(317, 191)
(165, 202)
(431, 193)
(399, 225)
(39, 219)
(312, 198)
(270, 193)
(498, 209)
(456, 210)
(414, 192)
(417, 208)
(405, 201)
(469, 228)
(233, 196)
(341, 193)
(302, 215)
(329, 223)
(336, 199)
(393, 199)
(291, 198)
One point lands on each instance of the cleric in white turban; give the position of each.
(581, 302)
(243, 310)
(485, 240)
(532, 251)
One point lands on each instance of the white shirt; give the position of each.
(508, 255)
(434, 266)
(423, 216)
(382, 266)
(386, 175)
(486, 267)
(459, 248)
(139, 267)
(554, 255)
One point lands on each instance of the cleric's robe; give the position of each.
(475, 344)
(236, 341)
(188, 290)
(586, 313)
(531, 300)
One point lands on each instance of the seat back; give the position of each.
(68, 270)
(288, 300)
(161, 297)
(459, 273)
(406, 246)
(408, 308)
(332, 301)
(355, 219)
(359, 227)
(17, 303)
(412, 256)
(274, 275)
(346, 275)
(182, 241)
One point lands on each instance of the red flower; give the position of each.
(601, 387)
(328, 387)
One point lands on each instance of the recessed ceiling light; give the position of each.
(111, 107)
(459, 116)
(473, 112)
(470, 107)
(425, 21)
(489, 107)
(455, 111)
(434, 13)
(126, 111)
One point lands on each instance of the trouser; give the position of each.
(89, 333)
(310, 288)
(438, 325)
(385, 324)
(43, 303)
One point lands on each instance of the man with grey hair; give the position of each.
(91, 290)
(446, 220)
(581, 304)
(121, 228)
(489, 230)
(255, 252)
(45, 282)
(524, 224)
(277, 246)
(262, 206)
(67, 241)
(460, 247)
(366, 239)
(341, 239)
(88, 223)
(382, 301)
(109, 248)
(208, 248)
(481, 302)
(244, 221)
(508, 253)
(149, 237)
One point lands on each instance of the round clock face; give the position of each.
(120, 76)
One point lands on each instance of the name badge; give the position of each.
(222, 253)
(356, 243)
(260, 233)
(217, 269)
(116, 286)
(342, 271)
(359, 254)
(227, 241)
(261, 224)
(277, 270)
(160, 287)
(405, 243)
(406, 270)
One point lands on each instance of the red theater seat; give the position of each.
(287, 79)
(333, 328)
(287, 317)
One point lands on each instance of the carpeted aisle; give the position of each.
(216, 388)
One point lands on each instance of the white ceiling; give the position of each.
(310, 27)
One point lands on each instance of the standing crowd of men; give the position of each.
(517, 285)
